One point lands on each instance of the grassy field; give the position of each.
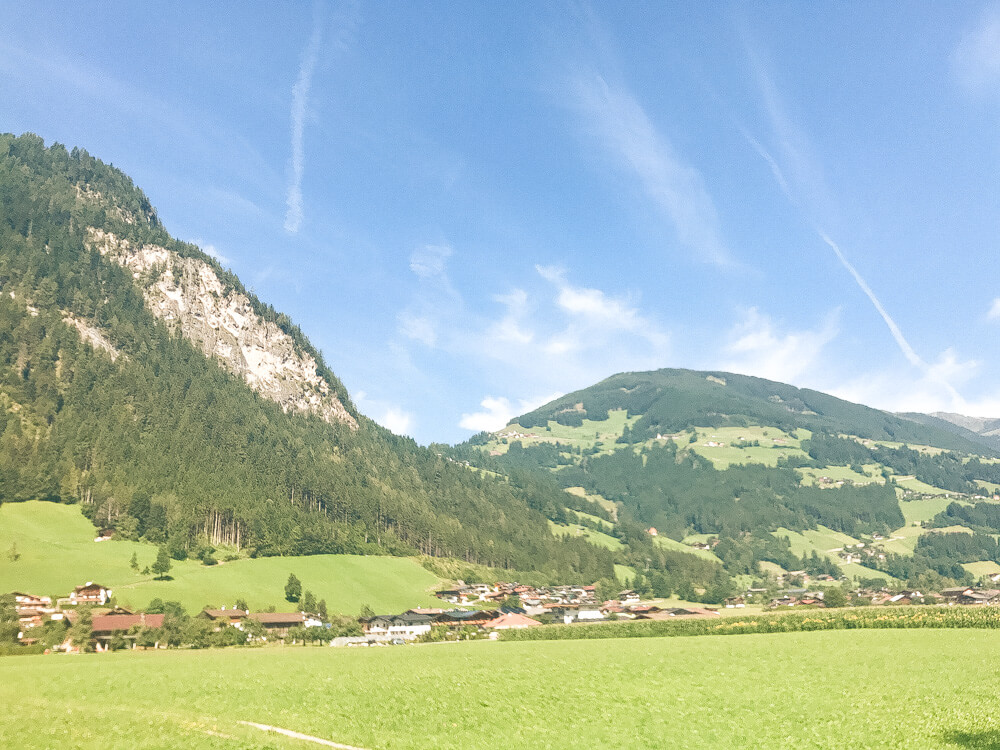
(727, 454)
(58, 552)
(842, 473)
(668, 543)
(983, 568)
(823, 540)
(596, 538)
(810, 690)
(624, 572)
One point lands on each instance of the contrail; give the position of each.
(300, 96)
(904, 345)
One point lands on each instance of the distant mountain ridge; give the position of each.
(670, 400)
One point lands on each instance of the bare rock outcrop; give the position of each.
(188, 294)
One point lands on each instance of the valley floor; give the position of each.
(885, 689)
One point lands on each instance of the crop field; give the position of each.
(57, 552)
(814, 689)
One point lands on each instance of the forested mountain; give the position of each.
(144, 382)
(671, 400)
(747, 462)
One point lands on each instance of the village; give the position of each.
(88, 619)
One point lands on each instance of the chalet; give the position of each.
(461, 617)
(462, 595)
(906, 597)
(735, 602)
(977, 596)
(104, 627)
(30, 601)
(955, 593)
(89, 593)
(279, 623)
(511, 621)
(628, 597)
(376, 626)
(652, 531)
(409, 626)
(701, 545)
(223, 617)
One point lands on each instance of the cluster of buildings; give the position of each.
(33, 612)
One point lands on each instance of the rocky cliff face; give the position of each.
(187, 293)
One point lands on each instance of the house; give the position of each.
(587, 612)
(976, 596)
(735, 601)
(652, 531)
(89, 593)
(279, 623)
(104, 627)
(511, 621)
(955, 593)
(376, 626)
(409, 626)
(461, 617)
(30, 601)
(223, 617)
(628, 597)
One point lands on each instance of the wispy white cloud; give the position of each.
(994, 311)
(213, 251)
(976, 60)
(758, 347)
(392, 417)
(799, 175)
(926, 391)
(673, 185)
(547, 335)
(300, 101)
(498, 411)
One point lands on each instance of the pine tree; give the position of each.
(293, 589)
(162, 564)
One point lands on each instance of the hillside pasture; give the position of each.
(983, 568)
(834, 474)
(810, 689)
(825, 541)
(594, 537)
(729, 452)
(57, 552)
(668, 543)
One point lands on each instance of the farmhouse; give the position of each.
(89, 593)
(511, 621)
(279, 623)
(223, 617)
(105, 626)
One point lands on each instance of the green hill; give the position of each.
(768, 470)
(672, 400)
(56, 551)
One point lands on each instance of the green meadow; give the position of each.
(830, 689)
(57, 552)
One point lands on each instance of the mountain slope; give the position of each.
(752, 464)
(107, 398)
(670, 400)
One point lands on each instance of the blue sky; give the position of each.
(471, 208)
